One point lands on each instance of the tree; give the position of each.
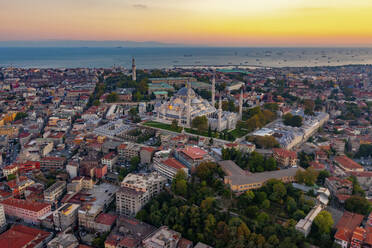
(322, 177)
(200, 123)
(358, 204)
(20, 116)
(112, 97)
(299, 214)
(307, 177)
(292, 120)
(279, 191)
(179, 184)
(324, 222)
(11, 177)
(135, 161)
(174, 124)
(309, 106)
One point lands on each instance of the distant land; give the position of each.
(85, 43)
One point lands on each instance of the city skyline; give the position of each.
(192, 22)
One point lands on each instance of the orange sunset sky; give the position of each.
(191, 22)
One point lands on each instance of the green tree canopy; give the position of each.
(324, 222)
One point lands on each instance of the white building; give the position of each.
(168, 167)
(136, 190)
(2, 217)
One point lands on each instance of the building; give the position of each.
(285, 158)
(10, 169)
(134, 76)
(240, 180)
(104, 222)
(136, 190)
(26, 210)
(146, 154)
(185, 105)
(129, 150)
(54, 192)
(72, 169)
(175, 81)
(93, 202)
(128, 232)
(347, 164)
(337, 186)
(56, 163)
(164, 237)
(191, 156)
(345, 228)
(20, 236)
(18, 186)
(66, 216)
(109, 160)
(64, 240)
(304, 225)
(2, 217)
(168, 167)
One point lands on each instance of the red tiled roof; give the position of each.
(184, 243)
(148, 149)
(194, 152)
(28, 205)
(173, 163)
(110, 155)
(53, 159)
(347, 163)
(122, 146)
(347, 224)
(106, 219)
(19, 236)
(368, 239)
(129, 242)
(316, 165)
(285, 153)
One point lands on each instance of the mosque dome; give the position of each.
(183, 92)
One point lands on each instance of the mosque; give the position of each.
(185, 105)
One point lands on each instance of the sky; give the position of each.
(192, 22)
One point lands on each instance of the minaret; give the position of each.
(188, 106)
(214, 88)
(134, 77)
(219, 115)
(241, 105)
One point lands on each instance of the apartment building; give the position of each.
(192, 156)
(2, 217)
(136, 190)
(164, 237)
(109, 160)
(168, 167)
(347, 164)
(54, 192)
(65, 216)
(48, 163)
(26, 210)
(129, 150)
(285, 158)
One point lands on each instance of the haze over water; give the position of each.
(58, 57)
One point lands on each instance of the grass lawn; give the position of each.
(238, 133)
(235, 133)
(162, 126)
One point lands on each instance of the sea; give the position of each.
(181, 57)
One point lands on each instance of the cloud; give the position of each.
(140, 6)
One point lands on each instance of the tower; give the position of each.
(214, 88)
(188, 106)
(241, 105)
(134, 77)
(219, 115)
